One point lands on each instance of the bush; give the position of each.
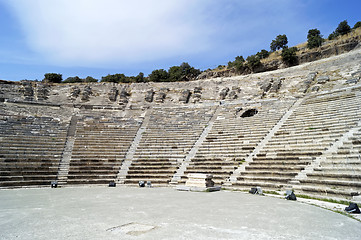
(280, 42)
(115, 78)
(314, 38)
(253, 61)
(53, 77)
(357, 25)
(89, 79)
(343, 28)
(237, 63)
(75, 79)
(263, 54)
(332, 35)
(159, 75)
(289, 56)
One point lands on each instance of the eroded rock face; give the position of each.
(305, 85)
(161, 95)
(223, 93)
(233, 94)
(197, 94)
(265, 85)
(123, 97)
(42, 91)
(113, 94)
(322, 79)
(27, 90)
(276, 85)
(74, 92)
(184, 98)
(86, 93)
(149, 95)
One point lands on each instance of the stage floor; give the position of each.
(163, 213)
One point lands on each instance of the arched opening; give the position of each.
(249, 113)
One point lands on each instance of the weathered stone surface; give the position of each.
(352, 81)
(42, 91)
(186, 94)
(74, 92)
(315, 88)
(322, 79)
(161, 95)
(197, 94)
(86, 93)
(123, 97)
(113, 94)
(276, 85)
(223, 93)
(233, 94)
(200, 180)
(149, 95)
(27, 90)
(265, 85)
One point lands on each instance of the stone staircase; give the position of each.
(312, 128)
(101, 143)
(30, 150)
(233, 138)
(337, 173)
(170, 135)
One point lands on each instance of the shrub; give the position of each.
(237, 63)
(253, 61)
(75, 79)
(343, 28)
(280, 42)
(314, 38)
(159, 75)
(289, 56)
(263, 54)
(53, 77)
(89, 79)
(357, 25)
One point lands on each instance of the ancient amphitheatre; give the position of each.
(296, 127)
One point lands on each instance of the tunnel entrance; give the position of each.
(249, 113)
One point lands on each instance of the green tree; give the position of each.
(253, 61)
(75, 79)
(357, 25)
(140, 78)
(332, 35)
(263, 54)
(289, 56)
(343, 28)
(238, 63)
(159, 75)
(89, 79)
(314, 38)
(115, 78)
(280, 42)
(53, 77)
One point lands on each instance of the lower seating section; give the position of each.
(310, 130)
(30, 150)
(339, 174)
(100, 146)
(233, 138)
(170, 135)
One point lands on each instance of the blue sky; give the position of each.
(99, 37)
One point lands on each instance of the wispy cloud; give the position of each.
(118, 32)
(93, 31)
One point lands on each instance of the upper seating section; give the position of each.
(170, 135)
(101, 143)
(236, 132)
(312, 128)
(30, 149)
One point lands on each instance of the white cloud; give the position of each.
(84, 32)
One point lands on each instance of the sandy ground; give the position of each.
(163, 213)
